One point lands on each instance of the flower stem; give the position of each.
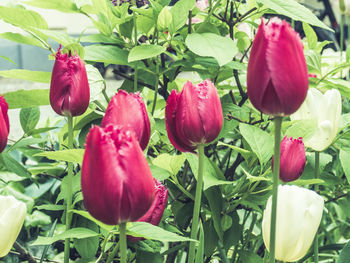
(122, 241)
(69, 190)
(342, 18)
(197, 203)
(155, 89)
(276, 171)
(317, 172)
(135, 42)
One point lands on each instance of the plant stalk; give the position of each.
(197, 204)
(342, 18)
(317, 173)
(276, 171)
(156, 84)
(122, 241)
(69, 190)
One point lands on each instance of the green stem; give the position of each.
(342, 18)
(69, 190)
(113, 253)
(292, 23)
(317, 173)
(155, 89)
(197, 203)
(135, 42)
(122, 241)
(276, 171)
(105, 93)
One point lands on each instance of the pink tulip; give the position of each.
(155, 212)
(116, 181)
(69, 90)
(193, 116)
(4, 123)
(128, 109)
(277, 79)
(292, 161)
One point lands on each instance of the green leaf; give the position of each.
(74, 48)
(159, 173)
(71, 155)
(149, 231)
(87, 247)
(29, 118)
(259, 141)
(7, 177)
(313, 61)
(250, 257)
(302, 128)
(88, 216)
(200, 248)
(66, 6)
(294, 10)
(8, 59)
(144, 52)
(311, 36)
(223, 49)
(100, 38)
(35, 76)
(344, 157)
(13, 165)
(171, 163)
(301, 182)
(27, 98)
(106, 54)
(344, 254)
(215, 200)
(16, 37)
(22, 18)
(211, 176)
(77, 232)
(164, 19)
(179, 14)
(37, 219)
(96, 82)
(51, 207)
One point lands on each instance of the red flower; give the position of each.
(277, 79)
(128, 109)
(116, 180)
(4, 123)
(193, 116)
(69, 90)
(292, 161)
(155, 212)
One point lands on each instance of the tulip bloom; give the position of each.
(155, 212)
(69, 90)
(12, 215)
(193, 116)
(292, 161)
(128, 109)
(116, 181)
(277, 79)
(326, 110)
(299, 213)
(4, 123)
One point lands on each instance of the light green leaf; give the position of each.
(302, 182)
(66, 6)
(344, 157)
(35, 76)
(22, 18)
(100, 38)
(13, 165)
(77, 232)
(29, 118)
(16, 37)
(149, 231)
(259, 141)
(106, 54)
(71, 155)
(88, 216)
(344, 254)
(171, 163)
(294, 10)
(311, 36)
(59, 36)
(96, 82)
(8, 59)
(179, 14)
(223, 49)
(164, 18)
(27, 98)
(144, 52)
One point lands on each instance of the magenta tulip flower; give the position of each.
(69, 90)
(277, 79)
(128, 109)
(292, 161)
(116, 181)
(193, 116)
(155, 212)
(4, 123)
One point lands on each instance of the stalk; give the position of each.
(197, 204)
(122, 241)
(342, 18)
(276, 171)
(155, 88)
(317, 172)
(135, 40)
(69, 190)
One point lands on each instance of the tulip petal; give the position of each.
(170, 121)
(4, 123)
(287, 66)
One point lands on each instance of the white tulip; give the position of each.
(12, 215)
(326, 110)
(299, 213)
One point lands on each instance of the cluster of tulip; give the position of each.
(277, 85)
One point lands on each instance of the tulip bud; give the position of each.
(4, 123)
(12, 215)
(69, 90)
(193, 116)
(326, 110)
(116, 181)
(155, 212)
(129, 110)
(299, 213)
(292, 160)
(277, 79)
